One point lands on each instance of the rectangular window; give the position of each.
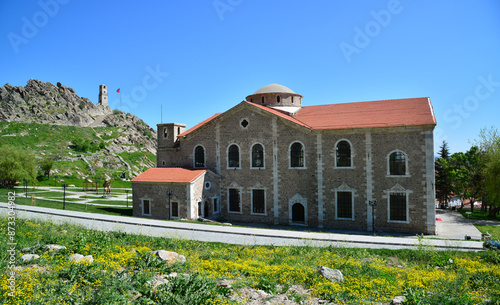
(397, 207)
(146, 208)
(344, 205)
(234, 200)
(258, 201)
(174, 209)
(215, 202)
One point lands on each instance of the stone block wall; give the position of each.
(316, 183)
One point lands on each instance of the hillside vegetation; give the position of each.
(124, 271)
(78, 152)
(81, 140)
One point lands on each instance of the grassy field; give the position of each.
(69, 205)
(493, 230)
(123, 266)
(54, 141)
(478, 214)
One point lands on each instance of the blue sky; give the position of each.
(200, 57)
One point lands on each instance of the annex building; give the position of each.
(269, 159)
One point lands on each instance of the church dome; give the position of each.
(277, 97)
(274, 88)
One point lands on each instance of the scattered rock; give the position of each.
(78, 258)
(172, 275)
(333, 275)
(29, 257)
(170, 257)
(157, 281)
(135, 297)
(55, 248)
(398, 300)
(259, 294)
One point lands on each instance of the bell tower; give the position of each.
(167, 134)
(103, 95)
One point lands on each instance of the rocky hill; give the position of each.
(107, 139)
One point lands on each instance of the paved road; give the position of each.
(233, 235)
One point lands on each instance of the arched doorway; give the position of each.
(298, 213)
(200, 210)
(206, 209)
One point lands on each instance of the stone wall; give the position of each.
(316, 183)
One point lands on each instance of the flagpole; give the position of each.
(119, 91)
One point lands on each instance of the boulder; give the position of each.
(398, 300)
(169, 256)
(29, 257)
(78, 258)
(333, 275)
(157, 281)
(55, 248)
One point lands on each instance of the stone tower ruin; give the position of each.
(103, 95)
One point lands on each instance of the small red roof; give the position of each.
(169, 174)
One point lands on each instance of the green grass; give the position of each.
(52, 141)
(47, 203)
(114, 202)
(493, 230)
(123, 265)
(478, 214)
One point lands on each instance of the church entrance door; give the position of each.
(298, 213)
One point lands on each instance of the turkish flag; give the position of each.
(118, 90)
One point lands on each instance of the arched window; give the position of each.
(343, 154)
(257, 155)
(278, 99)
(297, 155)
(233, 156)
(262, 99)
(199, 156)
(397, 163)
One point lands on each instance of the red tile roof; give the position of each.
(190, 130)
(280, 114)
(169, 174)
(386, 113)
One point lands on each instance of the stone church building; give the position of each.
(271, 160)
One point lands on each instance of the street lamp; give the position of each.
(126, 191)
(169, 193)
(64, 196)
(373, 203)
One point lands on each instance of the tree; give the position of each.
(47, 166)
(443, 179)
(16, 164)
(466, 172)
(490, 145)
(492, 180)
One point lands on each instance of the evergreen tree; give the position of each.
(443, 178)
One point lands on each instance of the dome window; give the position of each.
(262, 100)
(278, 98)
